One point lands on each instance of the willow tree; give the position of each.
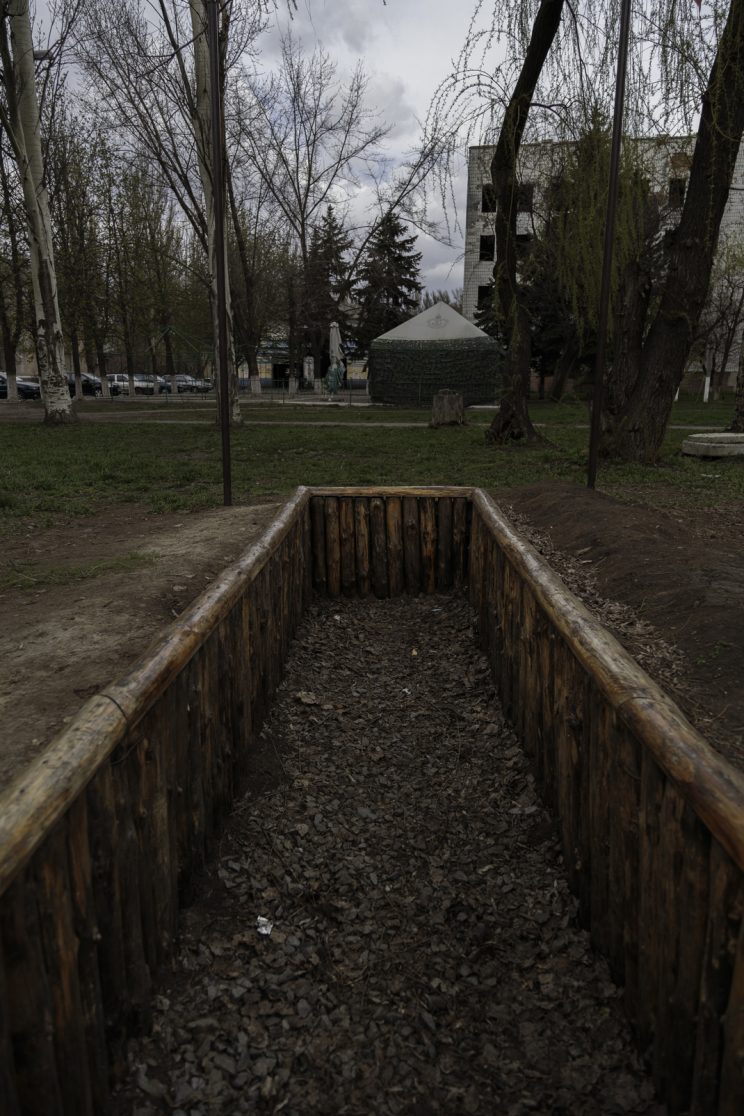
(21, 120)
(559, 67)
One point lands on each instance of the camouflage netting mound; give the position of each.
(412, 372)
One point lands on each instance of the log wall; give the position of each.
(651, 819)
(100, 841)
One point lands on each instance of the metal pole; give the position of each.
(218, 199)
(609, 237)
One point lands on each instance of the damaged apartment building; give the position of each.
(666, 161)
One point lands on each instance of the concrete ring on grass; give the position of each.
(714, 445)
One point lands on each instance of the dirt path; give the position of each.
(423, 955)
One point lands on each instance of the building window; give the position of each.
(485, 295)
(677, 187)
(525, 197)
(487, 247)
(488, 198)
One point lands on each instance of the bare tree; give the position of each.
(14, 267)
(153, 67)
(21, 120)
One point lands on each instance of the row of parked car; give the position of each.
(118, 385)
(155, 385)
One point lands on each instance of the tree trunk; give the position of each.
(737, 423)
(75, 347)
(564, 367)
(638, 432)
(25, 137)
(251, 333)
(203, 136)
(512, 421)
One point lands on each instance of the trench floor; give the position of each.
(423, 954)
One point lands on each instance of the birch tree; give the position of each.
(21, 120)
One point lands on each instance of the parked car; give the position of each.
(91, 384)
(118, 383)
(27, 389)
(185, 383)
(203, 385)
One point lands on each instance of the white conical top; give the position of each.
(440, 322)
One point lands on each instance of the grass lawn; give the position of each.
(79, 470)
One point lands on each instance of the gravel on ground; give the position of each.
(388, 928)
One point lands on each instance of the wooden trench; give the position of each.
(100, 841)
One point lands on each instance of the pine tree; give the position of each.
(325, 286)
(389, 287)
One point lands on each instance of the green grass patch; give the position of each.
(34, 575)
(80, 470)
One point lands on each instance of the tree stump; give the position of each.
(447, 409)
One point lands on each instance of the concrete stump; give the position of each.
(447, 409)
(714, 445)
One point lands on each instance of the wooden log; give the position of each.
(348, 551)
(475, 570)
(151, 758)
(650, 916)
(126, 851)
(333, 547)
(394, 533)
(103, 841)
(411, 546)
(180, 787)
(529, 679)
(601, 763)
(242, 682)
(684, 852)
(60, 948)
(9, 1102)
(29, 1000)
(625, 788)
(569, 705)
(548, 654)
(731, 1101)
(723, 928)
(432, 491)
(444, 543)
(712, 787)
(378, 547)
(428, 521)
(320, 570)
(307, 556)
(88, 935)
(361, 545)
(505, 588)
(460, 536)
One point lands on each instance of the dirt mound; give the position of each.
(679, 569)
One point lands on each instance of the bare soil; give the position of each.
(668, 580)
(60, 644)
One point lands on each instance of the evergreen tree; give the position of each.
(389, 287)
(325, 287)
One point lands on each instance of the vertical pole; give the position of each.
(218, 199)
(604, 297)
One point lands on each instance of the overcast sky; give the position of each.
(407, 47)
